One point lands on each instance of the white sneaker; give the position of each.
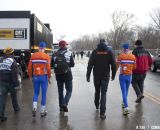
(34, 112)
(44, 113)
(123, 106)
(125, 111)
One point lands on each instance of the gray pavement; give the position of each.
(82, 114)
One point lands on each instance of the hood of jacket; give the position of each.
(102, 47)
(139, 47)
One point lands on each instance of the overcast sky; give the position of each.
(74, 18)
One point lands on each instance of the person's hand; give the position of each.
(49, 81)
(88, 79)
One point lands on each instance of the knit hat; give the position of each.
(138, 43)
(102, 41)
(125, 45)
(42, 44)
(63, 44)
(8, 50)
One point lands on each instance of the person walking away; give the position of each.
(40, 71)
(101, 60)
(62, 63)
(73, 55)
(88, 54)
(81, 54)
(127, 62)
(144, 62)
(77, 55)
(8, 81)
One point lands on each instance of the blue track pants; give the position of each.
(40, 81)
(125, 81)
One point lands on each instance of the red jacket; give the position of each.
(143, 60)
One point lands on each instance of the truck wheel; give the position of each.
(20, 80)
(153, 68)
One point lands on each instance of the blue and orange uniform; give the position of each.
(39, 69)
(127, 62)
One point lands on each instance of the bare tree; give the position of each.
(155, 40)
(122, 22)
(86, 42)
(149, 36)
(155, 16)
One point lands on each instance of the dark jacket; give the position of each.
(143, 60)
(9, 70)
(68, 76)
(101, 60)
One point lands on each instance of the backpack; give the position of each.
(60, 64)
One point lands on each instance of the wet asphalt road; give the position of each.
(82, 114)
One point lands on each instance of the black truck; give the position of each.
(23, 31)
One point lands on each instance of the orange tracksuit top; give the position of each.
(39, 64)
(127, 63)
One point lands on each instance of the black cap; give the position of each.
(138, 43)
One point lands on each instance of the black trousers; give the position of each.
(4, 89)
(101, 87)
(138, 83)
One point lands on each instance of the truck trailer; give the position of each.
(23, 31)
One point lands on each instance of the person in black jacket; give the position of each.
(63, 78)
(8, 81)
(100, 60)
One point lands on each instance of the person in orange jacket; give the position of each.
(40, 71)
(127, 63)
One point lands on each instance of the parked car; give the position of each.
(156, 63)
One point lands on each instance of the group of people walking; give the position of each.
(39, 72)
(74, 53)
(133, 68)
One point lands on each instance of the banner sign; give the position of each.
(13, 34)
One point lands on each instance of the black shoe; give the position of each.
(3, 118)
(34, 112)
(65, 109)
(61, 109)
(103, 116)
(97, 107)
(16, 110)
(139, 98)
